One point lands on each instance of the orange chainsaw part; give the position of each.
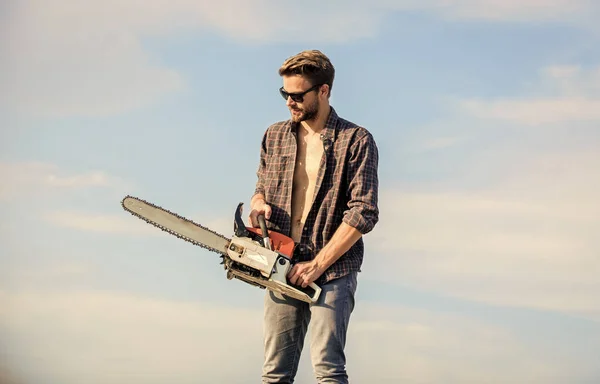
(279, 242)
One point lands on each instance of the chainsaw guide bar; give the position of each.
(248, 256)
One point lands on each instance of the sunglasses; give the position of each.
(298, 97)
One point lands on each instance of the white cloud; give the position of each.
(86, 58)
(107, 338)
(126, 223)
(106, 223)
(16, 272)
(536, 111)
(100, 337)
(26, 179)
(23, 179)
(571, 80)
(74, 58)
(565, 94)
(527, 240)
(399, 344)
(520, 226)
(79, 58)
(507, 10)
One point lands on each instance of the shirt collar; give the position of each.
(329, 130)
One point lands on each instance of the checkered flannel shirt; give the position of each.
(346, 188)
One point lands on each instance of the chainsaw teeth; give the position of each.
(235, 270)
(170, 231)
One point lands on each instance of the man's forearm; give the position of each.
(341, 241)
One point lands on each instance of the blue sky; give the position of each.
(483, 268)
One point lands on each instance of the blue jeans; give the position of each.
(286, 322)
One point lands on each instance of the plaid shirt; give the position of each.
(346, 188)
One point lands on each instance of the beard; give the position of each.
(308, 112)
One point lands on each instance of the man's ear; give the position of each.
(325, 90)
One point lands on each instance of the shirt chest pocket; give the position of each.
(278, 170)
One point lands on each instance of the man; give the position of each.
(318, 184)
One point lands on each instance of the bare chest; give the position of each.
(308, 159)
(308, 162)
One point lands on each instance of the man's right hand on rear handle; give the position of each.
(258, 206)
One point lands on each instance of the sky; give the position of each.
(483, 268)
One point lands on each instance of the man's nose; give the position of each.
(289, 102)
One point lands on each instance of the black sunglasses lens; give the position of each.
(297, 98)
(283, 94)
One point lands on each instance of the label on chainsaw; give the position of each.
(258, 258)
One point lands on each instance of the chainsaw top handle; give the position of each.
(263, 225)
(264, 231)
(240, 228)
(272, 240)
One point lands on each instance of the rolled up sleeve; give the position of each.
(363, 184)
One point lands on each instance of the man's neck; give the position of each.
(317, 124)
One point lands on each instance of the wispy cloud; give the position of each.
(520, 227)
(24, 179)
(537, 112)
(43, 273)
(110, 337)
(99, 65)
(105, 223)
(564, 94)
(126, 223)
(505, 10)
(403, 344)
(528, 252)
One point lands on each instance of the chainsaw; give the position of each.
(257, 256)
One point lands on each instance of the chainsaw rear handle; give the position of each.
(317, 293)
(267, 242)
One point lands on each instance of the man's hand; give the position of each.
(258, 206)
(304, 273)
(307, 272)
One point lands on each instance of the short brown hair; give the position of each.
(312, 64)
